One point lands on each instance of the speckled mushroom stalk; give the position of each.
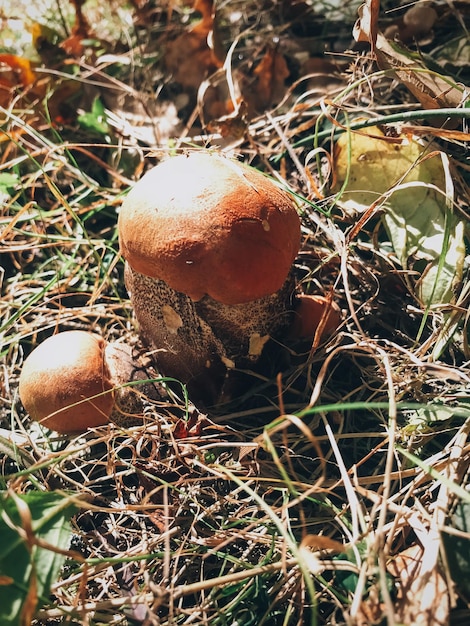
(209, 245)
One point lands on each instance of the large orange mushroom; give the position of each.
(209, 245)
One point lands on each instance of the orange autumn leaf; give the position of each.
(206, 9)
(189, 57)
(192, 427)
(269, 86)
(16, 74)
(21, 74)
(81, 30)
(73, 45)
(272, 73)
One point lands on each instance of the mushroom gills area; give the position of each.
(203, 344)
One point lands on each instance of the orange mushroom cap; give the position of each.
(310, 312)
(62, 382)
(208, 225)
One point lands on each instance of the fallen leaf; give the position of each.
(422, 595)
(22, 72)
(366, 28)
(271, 74)
(81, 30)
(191, 427)
(18, 80)
(189, 57)
(206, 9)
(443, 133)
(413, 192)
(269, 86)
(432, 89)
(322, 542)
(233, 125)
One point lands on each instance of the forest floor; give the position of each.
(335, 491)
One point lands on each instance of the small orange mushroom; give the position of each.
(310, 312)
(74, 380)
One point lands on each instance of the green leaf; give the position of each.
(458, 549)
(427, 239)
(416, 196)
(95, 120)
(27, 570)
(8, 183)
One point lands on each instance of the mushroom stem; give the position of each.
(205, 344)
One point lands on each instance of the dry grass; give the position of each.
(327, 494)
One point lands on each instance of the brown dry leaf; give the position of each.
(18, 78)
(232, 125)
(366, 27)
(16, 75)
(269, 86)
(189, 57)
(209, 28)
(422, 591)
(73, 45)
(443, 133)
(21, 71)
(81, 30)
(206, 9)
(192, 427)
(432, 90)
(6, 580)
(183, 430)
(321, 542)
